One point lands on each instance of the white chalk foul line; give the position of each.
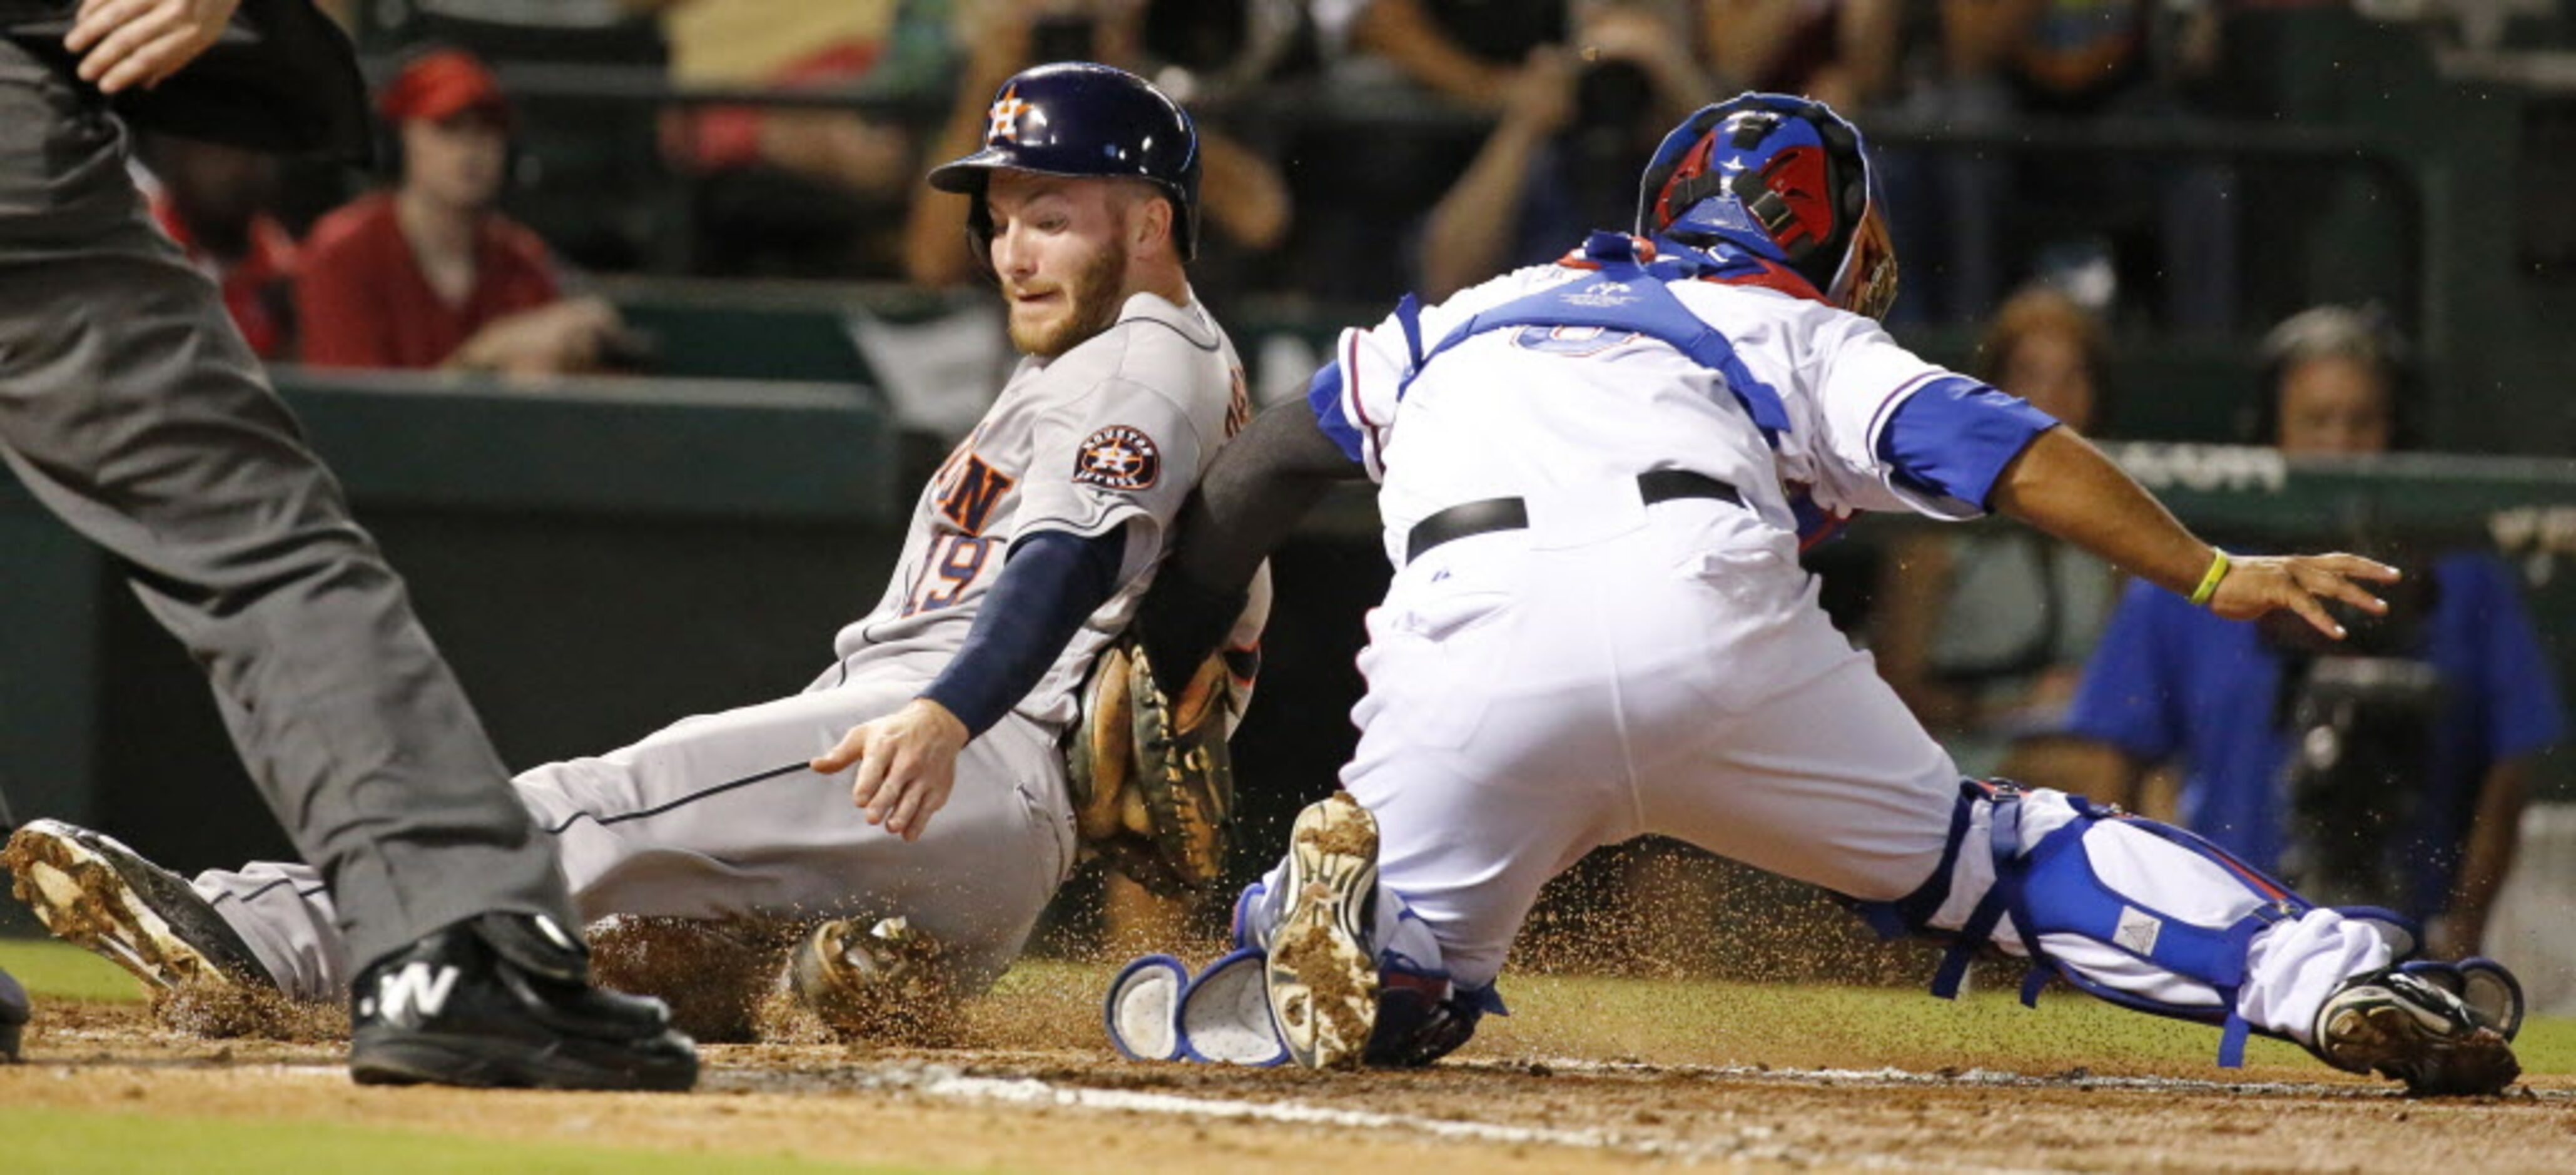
(1747, 1143)
(1991, 1078)
(1032, 1091)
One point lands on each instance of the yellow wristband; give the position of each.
(2209, 583)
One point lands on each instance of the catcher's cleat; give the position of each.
(1322, 975)
(2491, 993)
(91, 890)
(505, 1000)
(2404, 1027)
(883, 983)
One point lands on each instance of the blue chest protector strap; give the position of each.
(1627, 296)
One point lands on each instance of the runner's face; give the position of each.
(1060, 249)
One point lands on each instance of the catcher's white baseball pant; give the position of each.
(717, 816)
(1535, 694)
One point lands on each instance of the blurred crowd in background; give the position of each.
(1355, 149)
(1358, 149)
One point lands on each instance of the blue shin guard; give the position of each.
(2133, 911)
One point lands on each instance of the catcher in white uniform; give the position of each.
(1027, 553)
(1595, 478)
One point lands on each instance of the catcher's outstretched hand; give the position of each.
(907, 764)
(2256, 585)
(127, 43)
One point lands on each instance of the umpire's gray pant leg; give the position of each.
(130, 406)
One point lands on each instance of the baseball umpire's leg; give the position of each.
(131, 408)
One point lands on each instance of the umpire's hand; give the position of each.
(127, 43)
(907, 765)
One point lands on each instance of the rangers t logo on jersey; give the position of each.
(1119, 458)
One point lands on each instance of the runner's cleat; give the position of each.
(91, 890)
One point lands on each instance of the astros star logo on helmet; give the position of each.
(1006, 113)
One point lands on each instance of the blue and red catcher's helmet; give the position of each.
(1780, 178)
(1075, 118)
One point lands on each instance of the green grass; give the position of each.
(74, 1142)
(54, 970)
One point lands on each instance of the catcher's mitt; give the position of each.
(1153, 785)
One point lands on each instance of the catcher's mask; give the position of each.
(1781, 178)
(1074, 118)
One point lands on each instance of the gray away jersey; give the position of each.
(1111, 434)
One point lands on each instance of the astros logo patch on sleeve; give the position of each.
(1119, 458)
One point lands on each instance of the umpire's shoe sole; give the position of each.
(505, 1000)
(91, 890)
(1322, 976)
(477, 1063)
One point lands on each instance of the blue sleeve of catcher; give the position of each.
(1051, 583)
(1324, 395)
(1953, 437)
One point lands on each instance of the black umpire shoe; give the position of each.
(506, 1000)
(90, 889)
(13, 1016)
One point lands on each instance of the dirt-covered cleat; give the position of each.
(1322, 973)
(89, 889)
(505, 1000)
(885, 984)
(2491, 993)
(2401, 1026)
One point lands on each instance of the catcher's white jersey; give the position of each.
(717, 815)
(1518, 410)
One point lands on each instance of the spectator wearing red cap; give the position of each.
(430, 273)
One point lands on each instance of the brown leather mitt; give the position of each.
(1153, 785)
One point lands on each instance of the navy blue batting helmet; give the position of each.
(1075, 118)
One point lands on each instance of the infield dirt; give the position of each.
(1592, 1075)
